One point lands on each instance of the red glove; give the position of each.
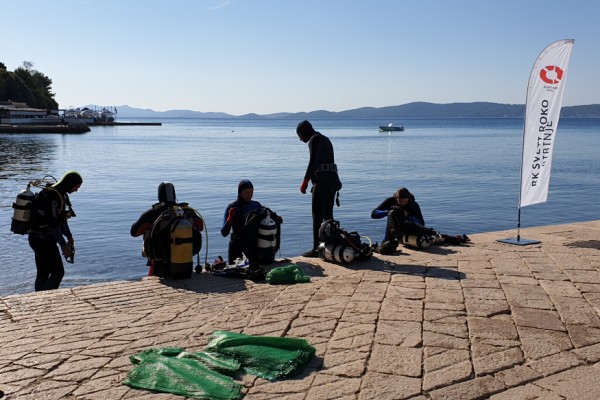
(304, 186)
(231, 215)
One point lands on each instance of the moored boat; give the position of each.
(390, 128)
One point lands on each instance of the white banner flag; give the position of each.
(542, 111)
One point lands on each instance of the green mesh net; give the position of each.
(290, 273)
(173, 370)
(207, 374)
(266, 356)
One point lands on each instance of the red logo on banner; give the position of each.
(551, 74)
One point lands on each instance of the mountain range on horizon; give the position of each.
(409, 110)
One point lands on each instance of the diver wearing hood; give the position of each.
(322, 172)
(402, 212)
(166, 199)
(233, 222)
(50, 227)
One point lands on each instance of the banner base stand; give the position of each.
(519, 241)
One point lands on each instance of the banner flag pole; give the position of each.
(542, 112)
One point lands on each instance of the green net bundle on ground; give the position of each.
(195, 375)
(290, 273)
(266, 356)
(208, 374)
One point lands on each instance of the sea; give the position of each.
(465, 174)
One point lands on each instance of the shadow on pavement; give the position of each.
(586, 244)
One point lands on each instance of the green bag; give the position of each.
(290, 273)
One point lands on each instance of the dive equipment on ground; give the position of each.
(341, 246)
(336, 252)
(387, 247)
(241, 268)
(418, 241)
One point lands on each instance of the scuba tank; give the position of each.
(22, 215)
(182, 252)
(336, 252)
(419, 241)
(267, 228)
(267, 239)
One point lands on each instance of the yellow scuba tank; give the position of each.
(182, 257)
(22, 215)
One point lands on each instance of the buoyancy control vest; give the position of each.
(175, 239)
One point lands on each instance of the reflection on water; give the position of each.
(22, 156)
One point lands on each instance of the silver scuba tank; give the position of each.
(267, 233)
(336, 252)
(418, 241)
(22, 212)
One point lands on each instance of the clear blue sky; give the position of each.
(267, 56)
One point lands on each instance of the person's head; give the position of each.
(166, 193)
(69, 183)
(245, 190)
(305, 131)
(403, 196)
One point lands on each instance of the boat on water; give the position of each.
(390, 128)
(18, 117)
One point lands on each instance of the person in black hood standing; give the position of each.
(50, 211)
(322, 172)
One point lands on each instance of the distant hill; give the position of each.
(410, 110)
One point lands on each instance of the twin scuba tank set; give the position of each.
(340, 246)
(22, 218)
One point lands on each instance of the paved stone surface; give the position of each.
(483, 321)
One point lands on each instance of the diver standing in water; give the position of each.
(49, 227)
(322, 172)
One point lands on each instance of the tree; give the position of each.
(27, 85)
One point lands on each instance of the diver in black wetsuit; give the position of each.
(143, 226)
(322, 172)
(402, 212)
(49, 227)
(240, 240)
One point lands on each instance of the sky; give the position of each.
(270, 56)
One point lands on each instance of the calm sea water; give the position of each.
(463, 172)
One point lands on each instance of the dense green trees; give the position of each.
(27, 85)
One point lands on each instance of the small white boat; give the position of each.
(390, 128)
